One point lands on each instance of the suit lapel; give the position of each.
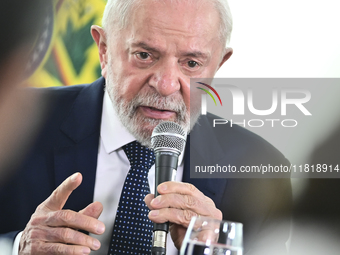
(79, 153)
(82, 129)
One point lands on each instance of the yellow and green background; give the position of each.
(65, 53)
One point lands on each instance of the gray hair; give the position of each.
(117, 11)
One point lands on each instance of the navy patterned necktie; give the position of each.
(132, 231)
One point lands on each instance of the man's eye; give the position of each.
(192, 64)
(143, 55)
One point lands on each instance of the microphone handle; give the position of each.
(165, 170)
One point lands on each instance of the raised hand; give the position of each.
(52, 230)
(177, 203)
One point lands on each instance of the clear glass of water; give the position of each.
(207, 236)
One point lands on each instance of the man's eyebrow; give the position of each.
(195, 54)
(145, 46)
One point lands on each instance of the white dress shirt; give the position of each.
(112, 168)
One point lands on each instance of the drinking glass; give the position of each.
(207, 236)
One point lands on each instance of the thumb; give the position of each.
(148, 199)
(60, 195)
(93, 210)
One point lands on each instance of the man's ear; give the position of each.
(99, 36)
(227, 54)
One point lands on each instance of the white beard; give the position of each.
(140, 126)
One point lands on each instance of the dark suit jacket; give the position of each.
(69, 143)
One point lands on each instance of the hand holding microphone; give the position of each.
(168, 139)
(174, 202)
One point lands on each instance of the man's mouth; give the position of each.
(155, 113)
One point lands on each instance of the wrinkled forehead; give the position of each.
(181, 14)
(185, 18)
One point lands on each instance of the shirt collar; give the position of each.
(112, 132)
(114, 135)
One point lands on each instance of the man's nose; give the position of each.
(166, 79)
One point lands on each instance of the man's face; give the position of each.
(148, 65)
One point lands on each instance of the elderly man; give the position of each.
(148, 52)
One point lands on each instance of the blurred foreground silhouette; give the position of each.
(316, 225)
(20, 111)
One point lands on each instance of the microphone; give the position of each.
(167, 140)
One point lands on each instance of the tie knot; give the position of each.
(139, 155)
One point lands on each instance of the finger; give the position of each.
(60, 195)
(179, 216)
(71, 236)
(202, 205)
(93, 210)
(62, 249)
(173, 215)
(148, 198)
(179, 187)
(71, 219)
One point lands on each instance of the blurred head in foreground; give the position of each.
(19, 113)
(317, 213)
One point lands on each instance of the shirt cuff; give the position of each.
(16, 243)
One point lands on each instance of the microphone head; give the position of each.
(168, 136)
